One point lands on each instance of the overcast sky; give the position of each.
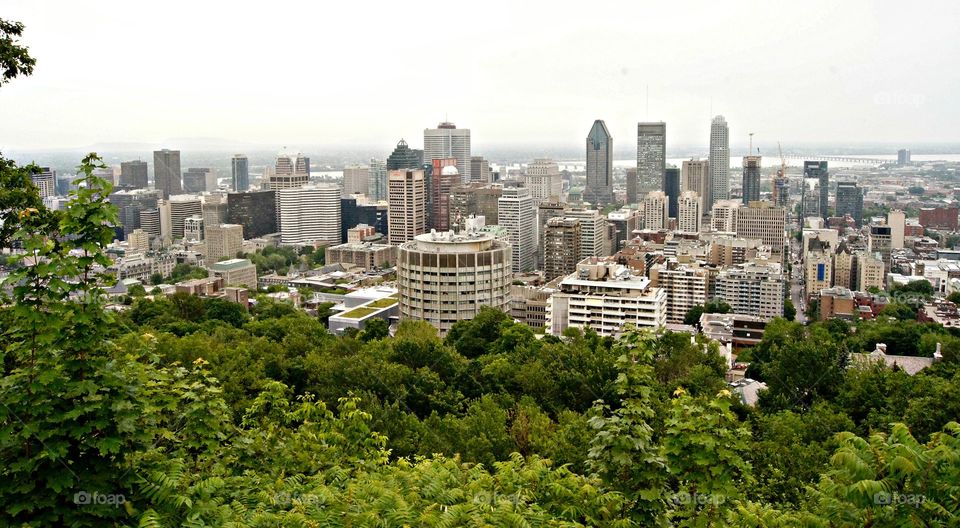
(367, 73)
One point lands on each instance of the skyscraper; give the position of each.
(166, 172)
(671, 187)
(751, 179)
(719, 162)
(651, 156)
(378, 180)
(544, 180)
(408, 203)
(780, 187)
(561, 247)
(448, 141)
(655, 210)
(688, 212)
(903, 157)
(850, 201)
(356, 180)
(310, 214)
(518, 215)
(480, 170)
(632, 185)
(240, 173)
(198, 180)
(256, 211)
(695, 176)
(45, 182)
(444, 177)
(599, 187)
(289, 172)
(404, 157)
(818, 170)
(133, 174)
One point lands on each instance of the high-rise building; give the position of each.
(633, 192)
(818, 270)
(880, 242)
(133, 174)
(764, 221)
(809, 199)
(598, 191)
(719, 163)
(903, 157)
(138, 241)
(871, 271)
(310, 214)
(448, 141)
(651, 156)
(353, 214)
(689, 212)
(480, 170)
(897, 220)
(45, 182)
(624, 222)
(818, 170)
(445, 176)
(685, 285)
(256, 211)
(182, 206)
(753, 289)
(850, 201)
(356, 180)
(656, 210)
(518, 215)
(474, 199)
(378, 180)
(404, 157)
(289, 172)
(224, 241)
(445, 277)
(544, 181)
(166, 172)
(198, 180)
(561, 247)
(130, 203)
(592, 231)
(408, 205)
(723, 216)
(240, 173)
(751, 179)
(695, 176)
(780, 189)
(671, 187)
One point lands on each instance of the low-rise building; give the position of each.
(235, 272)
(366, 255)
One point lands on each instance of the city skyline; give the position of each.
(862, 86)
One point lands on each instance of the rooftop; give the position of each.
(230, 265)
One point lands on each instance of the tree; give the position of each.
(15, 60)
(789, 311)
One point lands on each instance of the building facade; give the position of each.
(448, 141)
(561, 247)
(598, 191)
(651, 156)
(407, 211)
(719, 163)
(518, 215)
(166, 172)
(134, 174)
(310, 215)
(240, 173)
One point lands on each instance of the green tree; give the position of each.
(15, 59)
(789, 311)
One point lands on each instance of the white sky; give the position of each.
(515, 72)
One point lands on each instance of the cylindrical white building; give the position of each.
(445, 277)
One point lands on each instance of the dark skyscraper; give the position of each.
(255, 211)
(850, 201)
(240, 173)
(599, 187)
(133, 174)
(404, 157)
(903, 157)
(818, 170)
(166, 172)
(353, 214)
(651, 156)
(632, 194)
(751, 179)
(197, 180)
(671, 187)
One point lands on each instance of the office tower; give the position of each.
(198, 180)
(408, 205)
(764, 221)
(130, 203)
(656, 210)
(256, 211)
(723, 216)
(302, 165)
(850, 201)
(599, 186)
(897, 220)
(624, 222)
(448, 141)
(592, 231)
(843, 267)
(138, 241)
(903, 157)
(224, 241)
(353, 214)
(880, 242)
(561, 247)
(544, 181)
(474, 198)
(695, 176)
(404, 157)
(45, 182)
(871, 271)
(685, 286)
(166, 172)
(480, 170)
(240, 173)
(214, 210)
(150, 221)
(818, 270)
(444, 177)
(671, 187)
(518, 215)
(719, 163)
(133, 174)
(310, 214)
(182, 206)
(809, 199)
(689, 212)
(751, 179)
(443, 278)
(780, 189)
(356, 180)
(651, 156)
(378, 180)
(818, 170)
(753, 289)
(632, 186)
(289, 172)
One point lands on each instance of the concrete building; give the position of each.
(897, 220)
(377, 186)
(408, 203)
(166, 172)
(689, 212)
(719, 163)
(837, 302)
(138, 241)
(518, 215)
(592, 231)
(695, 176)
(685, 284)
(731, 250)
(359, 233)
(843, 268)
(880, 242)
(871, 271)
(310, 215)
(809, 199)
(405, 158)
(474, 198)
(181, 207)
(598, 191)
(544, 181)
(849, 201)
(356, 180)
(199, 180)
(561, 247)
(606, 297)
(751, 179)
(903, 157)
(723, 216)
(817, 271)
(366, 255)
(764, 221)
(753, 288)
(130, 203)
(256, 211)
(633, 194)
(289, 172)
(445, 277)
(235, 272)
(193, 228)
(224, 241)
(480, 170)
(448, 141)
(818, 170)
(651, 156)
(443, 179)
(239, 173)
(624, 222)
(134, 174)
(655, 210)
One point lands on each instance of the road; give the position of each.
(796, 284)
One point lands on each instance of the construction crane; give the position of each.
(783, 161)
